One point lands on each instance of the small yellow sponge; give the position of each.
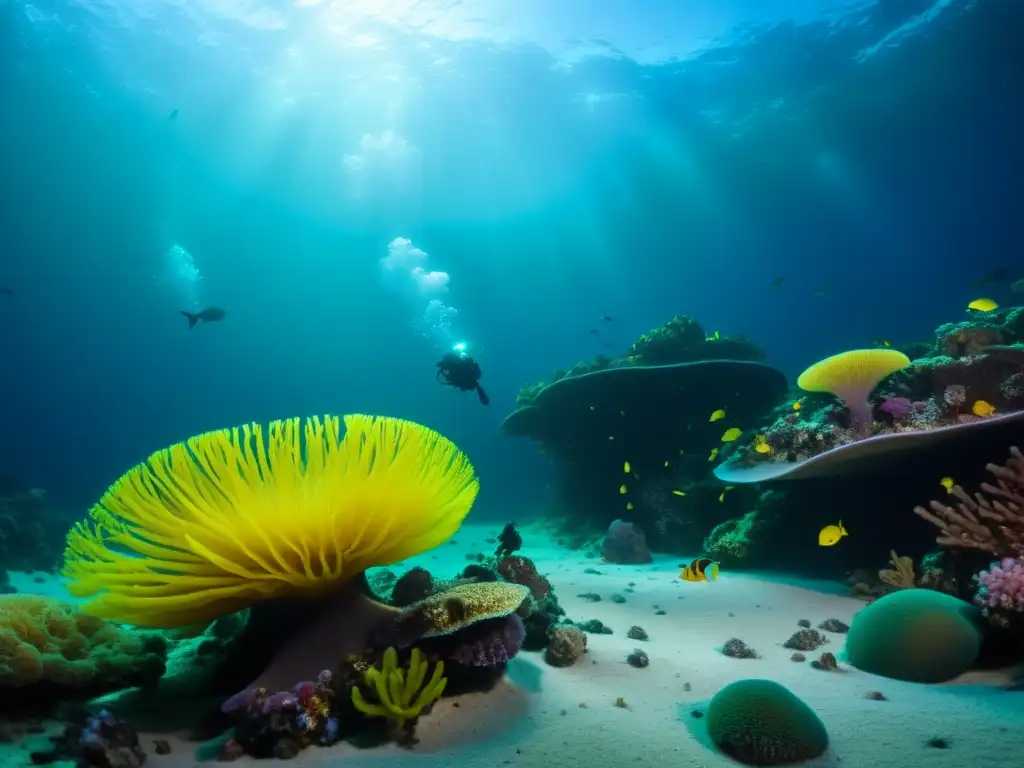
(395, 688)
(232, 517)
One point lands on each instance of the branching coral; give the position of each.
(901, 575)
(992, 520)
(395, 688)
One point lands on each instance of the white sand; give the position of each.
(543, 717)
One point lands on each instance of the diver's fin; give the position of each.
(192, 319)
(482, 395)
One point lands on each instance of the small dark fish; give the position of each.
(208, 315)
(607, 345)
(5, 291)
(593, 330)
(997, 275)
(778, 281)
(173, 116)
(606, 318)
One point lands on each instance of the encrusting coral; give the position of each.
(992, 520)
(395, 687)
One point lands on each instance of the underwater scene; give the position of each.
(485, 383)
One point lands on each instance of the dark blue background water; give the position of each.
(895, 174)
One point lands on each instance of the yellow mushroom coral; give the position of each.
(232, 517)
(852, 376)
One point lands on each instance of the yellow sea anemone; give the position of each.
(232, 517)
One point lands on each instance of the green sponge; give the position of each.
(917, 635)
(760, 722)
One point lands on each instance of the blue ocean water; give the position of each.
(557, 165)
(365, 186)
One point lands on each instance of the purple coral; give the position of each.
(897, 407)
(489, 643)
(1001, 587)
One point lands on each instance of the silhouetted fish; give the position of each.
(5, 291)
(173, 116)
(208, 315)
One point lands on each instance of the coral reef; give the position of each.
(50, 649)
(626, 445)
(680, 340)
(97, 740)
(970, 374)
(743, 540)
(282, 723)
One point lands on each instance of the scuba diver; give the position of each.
(460, 371)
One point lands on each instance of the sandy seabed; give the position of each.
(546, 717)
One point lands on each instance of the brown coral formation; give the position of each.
(44, 641)
(901, 575)
(992, 520)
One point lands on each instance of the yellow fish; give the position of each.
(713, 337)
(679, 493)
(947, 483)
(831, 534)
(983, 305)
(719, 414)
(625, 468)
(982, 408)
(681, 451)
(721, 496)
(611, 437)
(629, 505)
(798, 404)
(761, 444)
(883, 342)
(713, 455)
(666, 465)
(701, 569)
(731, 434)
(622, 489)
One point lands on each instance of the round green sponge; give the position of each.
(760, 722)
(917, 635)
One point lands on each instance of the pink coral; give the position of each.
(1001, 587)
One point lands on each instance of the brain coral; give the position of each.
(46, 641)
(760, 722)
(916, 635)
